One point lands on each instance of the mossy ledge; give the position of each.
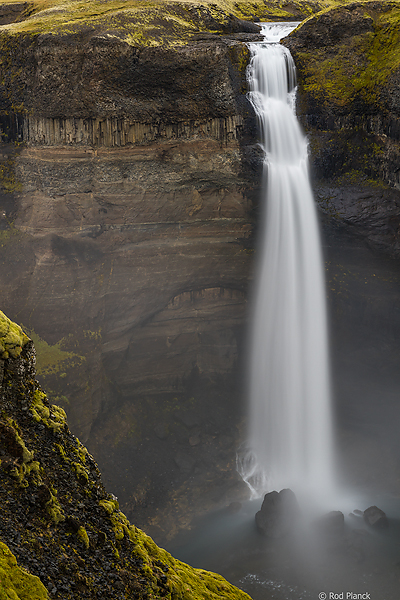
(59, 521)
(348, 61)
(155, 22)
(16, 583)
(12, 338)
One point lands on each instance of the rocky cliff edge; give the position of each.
(348, 63)
(58, 520)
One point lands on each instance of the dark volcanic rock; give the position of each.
(334, 27)
(278, 514)
(12, 11)
(375, 517)
(331, 523)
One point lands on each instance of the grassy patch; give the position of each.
(355, 68)
(52, 359)
(154, 22)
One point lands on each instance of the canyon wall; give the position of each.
(130, 171)
(129, 177)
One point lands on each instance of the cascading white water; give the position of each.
(290, 429)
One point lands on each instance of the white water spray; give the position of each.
(290, 429)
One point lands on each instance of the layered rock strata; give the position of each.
(128, 179)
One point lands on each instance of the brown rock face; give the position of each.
(125, 220)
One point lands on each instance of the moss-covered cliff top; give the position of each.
(12, 338)
(346, 55)
(154, 22)
(58, 520)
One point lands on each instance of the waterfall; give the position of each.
(290, 423)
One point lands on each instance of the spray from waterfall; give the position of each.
(290, 424)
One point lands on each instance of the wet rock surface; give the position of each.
(375, 517)
(278, 514)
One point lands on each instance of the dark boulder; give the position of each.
(331, 523)
(278, 514)
(375, 517)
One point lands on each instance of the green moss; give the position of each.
(185, 582)
(240, 56)
(22, 472)
(356, 68)
(12, 338)
(154, 22)
(51, 359)
(52, 416)
(15, 583)
(8, 182)
(82, 473)
(119, 521)
(110, 506)
(27, 456)
(54, 509)
(28, 471)
(83, 536)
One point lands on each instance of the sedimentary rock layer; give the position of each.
(126, 218)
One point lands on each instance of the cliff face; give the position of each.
(128, 176)
(58, 520)
(348, 66)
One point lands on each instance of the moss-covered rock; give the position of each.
(156, 22)
(63, 526)
(16, 583)
(347, 57)
(12, 338)
(348, 63)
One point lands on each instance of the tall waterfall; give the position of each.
(290, 437)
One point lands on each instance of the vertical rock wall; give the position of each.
(124, 250)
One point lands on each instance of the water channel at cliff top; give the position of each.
(362, 291)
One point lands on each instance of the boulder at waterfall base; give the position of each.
(375, 517)
(278, 514)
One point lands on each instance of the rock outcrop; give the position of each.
(348, 87)
(375, 517)
(278, 515)
(57, 520)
